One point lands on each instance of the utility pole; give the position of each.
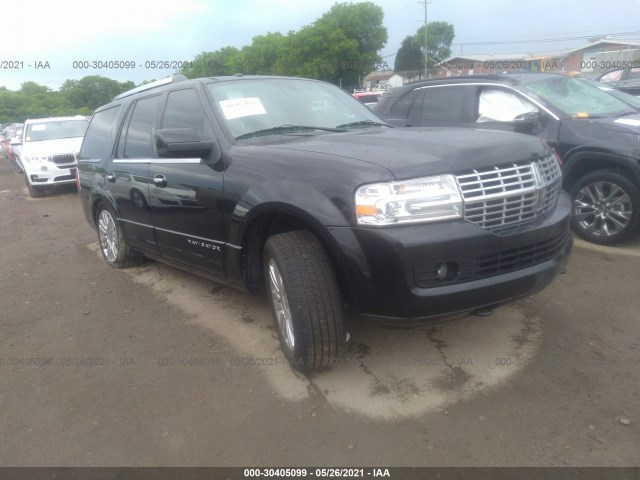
(426, 41)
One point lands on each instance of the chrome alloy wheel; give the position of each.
(602, 209)
(281, 305)
(108, 234)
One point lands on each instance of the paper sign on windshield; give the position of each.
(38, 128)
(242, 107)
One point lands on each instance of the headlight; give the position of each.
(418, 200)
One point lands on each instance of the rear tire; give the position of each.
(113, 245)
(605, 207)
(305, 299)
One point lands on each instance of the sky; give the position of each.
(53, 41)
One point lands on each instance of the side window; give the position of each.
(97, 141)
(444, 103)
(137, 133)
(416, 107)
(184, 110)
(402, 106)
(611, 76)
(634, 73)
(496, 105)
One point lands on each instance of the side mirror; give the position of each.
(526, 122)
(184, 142)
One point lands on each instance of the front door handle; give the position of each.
(111, 177)
(160, 180)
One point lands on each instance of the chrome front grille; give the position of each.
(506, 198)
(63, 158)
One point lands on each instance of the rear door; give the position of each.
(186, 192)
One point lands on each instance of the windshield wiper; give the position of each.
(363, 123)
(286, 129)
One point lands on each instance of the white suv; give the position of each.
(49, 148)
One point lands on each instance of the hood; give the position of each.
(52, 147)
(412, 152)
(625, 124)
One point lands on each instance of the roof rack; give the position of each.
(148, 86)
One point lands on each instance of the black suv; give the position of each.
(596, 135)
(291, 186)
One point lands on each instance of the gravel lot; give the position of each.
(156, 367)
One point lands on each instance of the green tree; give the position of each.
(410, 56)
(92, 91)
(339, 47)
(440, 35)
(261, 57)
(360, 23)
(226, 61)
(32, 88)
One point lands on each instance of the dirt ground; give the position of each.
(156, 367)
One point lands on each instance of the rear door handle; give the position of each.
(160, 180)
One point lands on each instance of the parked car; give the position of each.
(49, 149)
(624, 79)
(595, 134)
(291, 186)
(16, 148)
(368, 98)
(5, 141)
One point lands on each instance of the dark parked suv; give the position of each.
(291, 186)
(596, 135)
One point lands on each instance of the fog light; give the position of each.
(448, 271)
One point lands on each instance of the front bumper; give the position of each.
(49, 173)
(392, 273)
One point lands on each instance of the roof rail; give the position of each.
(148, 86)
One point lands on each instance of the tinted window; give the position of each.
(443, 103)
(137, 143)
(184, 110)
(97, 140)
(402, 106)
(415, 111)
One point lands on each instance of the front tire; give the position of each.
(34, 190)
(113, 245)
(305, 299)
(605, 207)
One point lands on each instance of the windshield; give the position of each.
(576, 98)
(262, 104)
(56, 129)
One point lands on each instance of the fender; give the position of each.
(577, 155)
